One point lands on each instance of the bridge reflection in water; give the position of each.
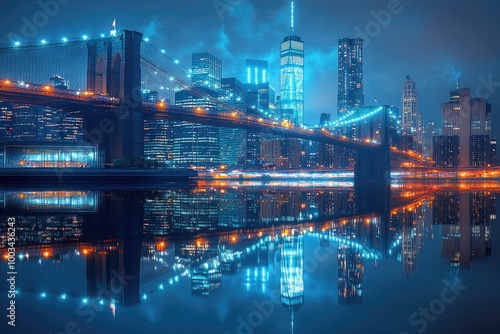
(118, 248)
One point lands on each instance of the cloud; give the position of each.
(223, 43)
(153, 28)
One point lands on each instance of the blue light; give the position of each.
(102, 36)
(163, 51)
(63, 296)
(160, 287)
(85, 37)
(43, 295)
(44, 41)
(17, 43)
(176, 61)
(144, 297)
(64, 39)
(85, 300)
(101, 302)
(146, 39)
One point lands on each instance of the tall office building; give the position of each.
(350, 80)
(292, 76)
(411, 117)
(466, 116)
(260, 95)
(257, 71)
(233, 142)
(350, 89)
(197, 144)
(409, 112)
(207, 71)
(6, 118)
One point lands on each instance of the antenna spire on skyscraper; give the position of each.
(292, 18)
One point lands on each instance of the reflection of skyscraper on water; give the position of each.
(292, 274)
(196, 211)
(350, 262)
(465, 235)
(350, 274)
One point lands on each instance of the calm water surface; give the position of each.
(253, 258)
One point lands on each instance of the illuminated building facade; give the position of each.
(411, 118)
(283, 153)
(207, 71)
(292, 76)
(350, 80)
(466, 117)
(446, 150)
(195, 144)
(233, 142)
(260, 95)
(158, 134)
(49, 155)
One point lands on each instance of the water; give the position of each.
(253, 258)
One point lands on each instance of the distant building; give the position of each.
(411, 117)
(207, 71)
(350, 79)
(429, 133)
(482, 151)
(324, 119)
(233, 142)
(196, 144)
(20, 122)
(283, 153)
(466, 117)
(446, 151)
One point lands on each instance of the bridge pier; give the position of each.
(118, 134)
(372, 165)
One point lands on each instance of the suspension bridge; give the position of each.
(104, 78)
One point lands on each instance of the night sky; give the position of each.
(437, 42)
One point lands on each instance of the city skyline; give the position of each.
(240, 31)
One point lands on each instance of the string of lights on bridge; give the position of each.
(340, 122)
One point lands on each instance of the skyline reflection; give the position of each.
(209, 238)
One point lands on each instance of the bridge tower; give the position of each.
(373, 164)
(114, 69)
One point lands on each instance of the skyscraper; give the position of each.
(257, 71)
(198, 144)
(292, 76)
(350, 81)
(411, 118)
(466, 116)
(410, 106)
(207, 71)
(260, 95)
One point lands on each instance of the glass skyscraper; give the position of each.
(292, 77)
(198, 144)
(207, 71)
(350, 81)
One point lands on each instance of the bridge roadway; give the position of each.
(90, 102)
